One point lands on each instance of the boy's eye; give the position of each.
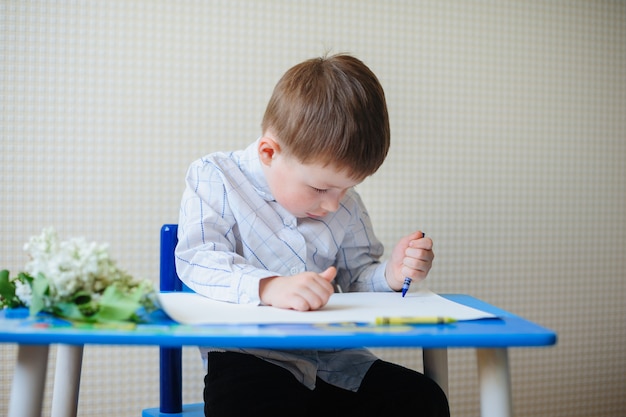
(319, 190)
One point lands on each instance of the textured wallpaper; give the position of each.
(508, 148)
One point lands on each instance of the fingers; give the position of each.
(314, 293)
(329, 274)
(418, 257)
(420, 241)
(302, 292)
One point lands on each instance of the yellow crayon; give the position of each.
(389, 321)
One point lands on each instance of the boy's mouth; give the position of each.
(315, 216)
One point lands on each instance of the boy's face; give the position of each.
(305, 190)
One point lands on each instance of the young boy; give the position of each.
(279, 223)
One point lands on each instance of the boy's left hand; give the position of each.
(412, 257)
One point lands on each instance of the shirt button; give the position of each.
(294, 271)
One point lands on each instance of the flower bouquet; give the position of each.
(75, 280)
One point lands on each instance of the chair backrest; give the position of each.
(171, 375)
(170, 359)
(168, 278)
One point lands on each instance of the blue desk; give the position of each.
(491, 338)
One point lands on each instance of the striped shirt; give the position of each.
(232, 233)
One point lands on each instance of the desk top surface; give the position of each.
(508, 330)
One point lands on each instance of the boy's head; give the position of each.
(331, 111)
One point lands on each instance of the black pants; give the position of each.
(242, 385)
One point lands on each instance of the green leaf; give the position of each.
(25, 278)
(40, 290)
(116, 305)
(81, 298)
(4, 276)
(70, 311)
(7, 289)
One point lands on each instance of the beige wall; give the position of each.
(508, 148)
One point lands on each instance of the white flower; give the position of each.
(75, 279)
(73, 266)
(23, 292)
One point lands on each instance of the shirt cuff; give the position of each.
(379, 282)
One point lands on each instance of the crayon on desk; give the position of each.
(392, 321)
(407, 280)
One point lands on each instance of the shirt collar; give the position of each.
(250, 165)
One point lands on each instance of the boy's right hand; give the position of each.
(302, 292)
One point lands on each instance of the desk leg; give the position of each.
(29, 381)
(495, 382)
(67, 381)
(436, 366)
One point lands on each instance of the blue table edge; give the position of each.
(508, 330)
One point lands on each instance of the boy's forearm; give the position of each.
(220, 276)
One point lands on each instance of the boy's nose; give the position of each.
(330, 204)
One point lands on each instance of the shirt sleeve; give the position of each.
(206, 255)
(359, 268)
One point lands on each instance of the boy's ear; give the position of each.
(268, 149)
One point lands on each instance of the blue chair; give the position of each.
(171, 375)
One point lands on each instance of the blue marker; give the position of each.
(407, 280)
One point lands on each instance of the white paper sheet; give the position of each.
(365, 307)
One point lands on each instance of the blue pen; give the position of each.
(407, 280)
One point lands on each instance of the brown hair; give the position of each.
(331, 110)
